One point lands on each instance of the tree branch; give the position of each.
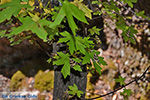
(135, 80)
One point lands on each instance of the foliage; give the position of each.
(63, 60)
(126, 93)
(120, 80)
(44, 81)
(49, 23)
(33, 22)
(11, 9)
(74, 91)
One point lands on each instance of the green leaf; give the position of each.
(80, 46)
(77, 68)
(77, 60)
(76, 43)
(97, 67)
(126, 92)
(64, 60)
(11, 8)
(69, 10)
(58, 18)
(101, 61)
(29, 24)
(74, 91)
(120, 80)
(49, 60)
(83, 7)
(82, 43)
(141, 13)
(130, 2)
(94, 30)
(86, 59)
(69, 39)
(13, 42)
(77, 13)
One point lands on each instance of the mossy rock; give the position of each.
(44, 81)
(17, 81)
(89, 86)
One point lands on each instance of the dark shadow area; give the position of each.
(25, 57)
(144, 45)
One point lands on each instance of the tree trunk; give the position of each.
(61, 84)
(78, 78)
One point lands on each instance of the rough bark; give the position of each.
(61, 84)
(78, 78)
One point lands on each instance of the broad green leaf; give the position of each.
(120, 80)
(87, 57)
(34, 17)
(79, 93)
(71, 93)
(82, 43)
(2, 33)
(44, 22)
(64, 60)
(83, 7)
(77, 13)
(74, 87)
(69, 10)
(69, 39)
(29, 24)
(11, 8)
(126, 92)
(77, 60)
(69, 16)
(101, 61)
(130, 2)
(76, 43)
(94, 30)
(80, 46)
(74, 91)
(141, 13)
(77, 68)
(49, 60)
(60, 16)
(66, 68)
(51, 31)
(13, 42)
(97, 67)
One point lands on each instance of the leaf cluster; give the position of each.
(47, 23)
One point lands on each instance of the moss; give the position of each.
(89, 84)
(44, 81)
(90, 88)
(16, 81)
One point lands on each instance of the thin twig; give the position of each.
(135, 80)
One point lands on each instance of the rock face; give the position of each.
(25, 57)
(28, 59)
